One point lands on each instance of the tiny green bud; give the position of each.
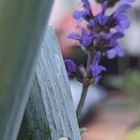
(83, 130)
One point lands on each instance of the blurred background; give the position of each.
(112, 109)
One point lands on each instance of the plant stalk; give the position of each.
(85, 87)
(82, 100)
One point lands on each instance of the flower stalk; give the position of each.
(99, 38)
(82, 100)
(84, 87)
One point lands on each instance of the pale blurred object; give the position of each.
(137, 4)
(63, 138)
(61, 8)
(61, 19)
(131, 41)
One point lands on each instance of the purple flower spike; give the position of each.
(100, 34)
(70, 66)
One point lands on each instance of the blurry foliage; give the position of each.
(133, 135)
(129, 83)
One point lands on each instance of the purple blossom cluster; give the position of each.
(100, 37)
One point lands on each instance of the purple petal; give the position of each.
(117, 35)
(97, 79)
(91, 23)
(86, 40)
(78, 15)
(127, 1)
(87, 8)
(124, 23)
(96, 70)
(104, 6)
(70, 66)
(120, 51)
(122, 9)
(116, 51)
(74, 36)
(111, 53)
(96, 59)
(102, 19)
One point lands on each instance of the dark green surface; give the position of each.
(22, 26)
(35, 125)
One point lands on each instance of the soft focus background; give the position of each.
(111, 110)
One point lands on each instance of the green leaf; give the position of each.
(22, 26)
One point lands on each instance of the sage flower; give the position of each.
(101, 35)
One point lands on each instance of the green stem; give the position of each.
(85, 87)
(82, 100)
